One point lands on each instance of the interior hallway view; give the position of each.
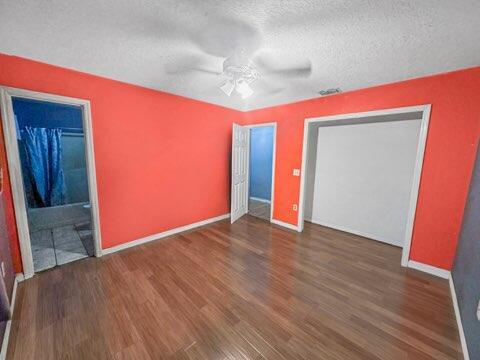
(260, 171)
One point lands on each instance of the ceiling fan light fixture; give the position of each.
(227, 87)
(244, 89)
(240, 73)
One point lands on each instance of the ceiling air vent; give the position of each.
(329, 91)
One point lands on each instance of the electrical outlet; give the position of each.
(296, 172)
(295, 207)
(3, 269)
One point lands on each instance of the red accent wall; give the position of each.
(449, 157)
(162, 160)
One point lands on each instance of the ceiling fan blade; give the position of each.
(181, 70)
(190, 63)
(226, 36)
(263, 87)
(282, 65)
(290, 73)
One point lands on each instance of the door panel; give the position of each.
(239, 195)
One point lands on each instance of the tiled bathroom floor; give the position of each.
(57, 216)
(61, 245)
(60, 235)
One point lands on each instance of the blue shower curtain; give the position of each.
(43, 150)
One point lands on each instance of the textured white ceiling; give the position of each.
(352, 44)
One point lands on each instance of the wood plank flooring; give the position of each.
(259, 209)
(250, 290)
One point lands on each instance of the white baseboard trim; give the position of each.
(356, 232)
(463, 340)
(284, 224)
(432, 270)
(260, 199)
(3, 352)
(163, 234)
(19, 278)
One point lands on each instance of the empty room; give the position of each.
(187, 179)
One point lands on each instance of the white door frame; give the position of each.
(346, 118)
(249, 127)
(14, 167)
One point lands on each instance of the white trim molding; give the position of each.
(13, 158)
(285, 225)
(456, 308)
(353, 118)
(353, 231)
(429, 269)
(3, 352)
(164, 234)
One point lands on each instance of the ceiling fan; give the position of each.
(244, 61)
(240, 73)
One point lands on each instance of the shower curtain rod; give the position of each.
(65, 132)
(66, 129)
(71, 131)
(71, 134)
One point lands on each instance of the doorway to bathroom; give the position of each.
(50, 155)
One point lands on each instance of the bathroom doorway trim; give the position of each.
(13, 159)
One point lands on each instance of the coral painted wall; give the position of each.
(449, 157)
(162, 161)
(154, 151)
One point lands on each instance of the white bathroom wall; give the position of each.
(363, 178)
(74, 169)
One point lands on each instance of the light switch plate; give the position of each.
(478, 310)
(296, 172)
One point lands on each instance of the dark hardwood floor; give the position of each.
(249, 290)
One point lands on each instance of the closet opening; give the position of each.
(361, 173)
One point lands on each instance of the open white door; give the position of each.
(239, 195)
